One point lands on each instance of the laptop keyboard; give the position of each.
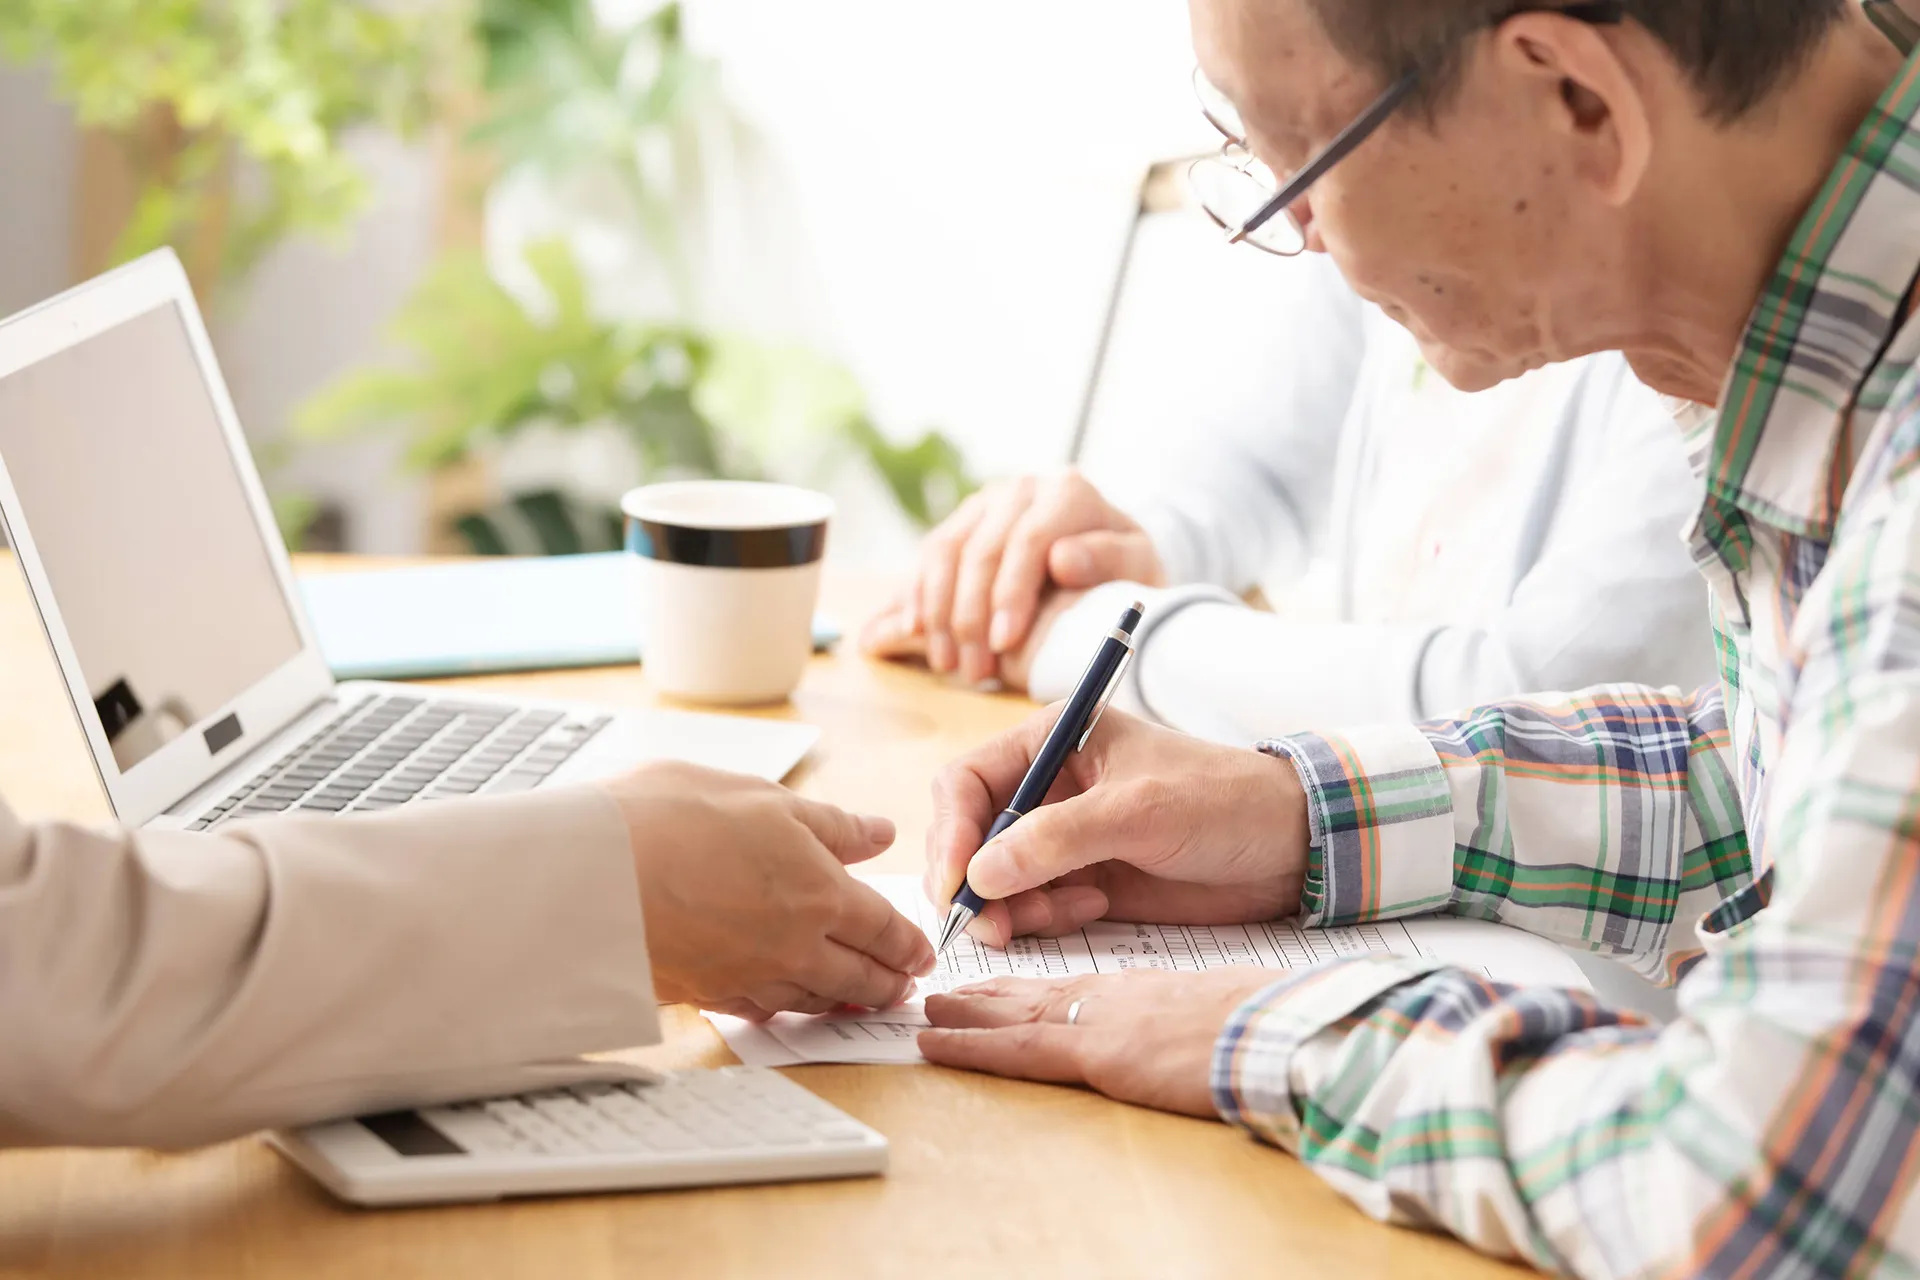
(386, 751)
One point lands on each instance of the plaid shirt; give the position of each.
(1763, 838)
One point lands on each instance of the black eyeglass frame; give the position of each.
(1600, 13)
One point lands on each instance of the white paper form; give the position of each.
(887, 1035)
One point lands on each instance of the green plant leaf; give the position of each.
(928, 478)
(276, 83)
(772, 396)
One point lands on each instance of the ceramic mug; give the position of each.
(727, 580)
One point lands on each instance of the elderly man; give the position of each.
(1728, 191)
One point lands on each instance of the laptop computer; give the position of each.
(132, 503)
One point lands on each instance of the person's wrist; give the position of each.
(1268, 791)
(645, 827)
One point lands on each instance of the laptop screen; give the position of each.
(144, 530)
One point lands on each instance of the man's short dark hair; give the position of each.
(1736, 51)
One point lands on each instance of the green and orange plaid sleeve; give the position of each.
(1601, 821)
(1776, 1124)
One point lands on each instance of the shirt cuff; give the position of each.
(1380, 823)
(1076, 635)
(1260, 1082)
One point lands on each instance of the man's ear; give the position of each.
(1587, 94)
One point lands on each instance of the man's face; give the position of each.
(1450, 229)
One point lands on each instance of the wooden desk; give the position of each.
(989, 1178)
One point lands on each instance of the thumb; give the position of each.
(848, 837)
(1089, 559)
(1045, 845)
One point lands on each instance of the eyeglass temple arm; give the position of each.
(1599, 13)
(1336, 151)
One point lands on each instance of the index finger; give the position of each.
(1024, 575)
(869, 924)
(1044, 1051)
(969, 793)
(1002, 1004)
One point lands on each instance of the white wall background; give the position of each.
(961, 178)
(38, 159)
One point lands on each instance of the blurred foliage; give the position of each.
(568, 96)
(265, 86)
(484, 367)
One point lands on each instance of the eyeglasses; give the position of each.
(1244, 197)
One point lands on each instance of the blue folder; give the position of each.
(474, 617)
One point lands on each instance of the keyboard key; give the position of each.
(320, 804)
(520, 780)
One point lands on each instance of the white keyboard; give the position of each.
(692, 1128)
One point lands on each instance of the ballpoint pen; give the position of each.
(1069, 734)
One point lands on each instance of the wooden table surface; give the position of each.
(989, 1178)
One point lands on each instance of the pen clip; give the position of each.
(1113, 687)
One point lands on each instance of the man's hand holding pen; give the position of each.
(1144, 824)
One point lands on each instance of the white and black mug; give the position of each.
(728, 577)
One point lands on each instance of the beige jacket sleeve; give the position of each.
(169, 989)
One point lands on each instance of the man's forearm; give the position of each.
(1513, 814)
(1432, 1098)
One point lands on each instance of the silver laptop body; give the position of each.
(130, 497)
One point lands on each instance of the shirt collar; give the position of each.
(1782, 445)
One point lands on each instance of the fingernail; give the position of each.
(928, 963)
(940, 655)
(1076, 561)
(983, 932)
(1001, 635)
(879, 830)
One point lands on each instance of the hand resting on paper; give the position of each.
(1142, 1037)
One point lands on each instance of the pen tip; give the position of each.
(957, 920)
